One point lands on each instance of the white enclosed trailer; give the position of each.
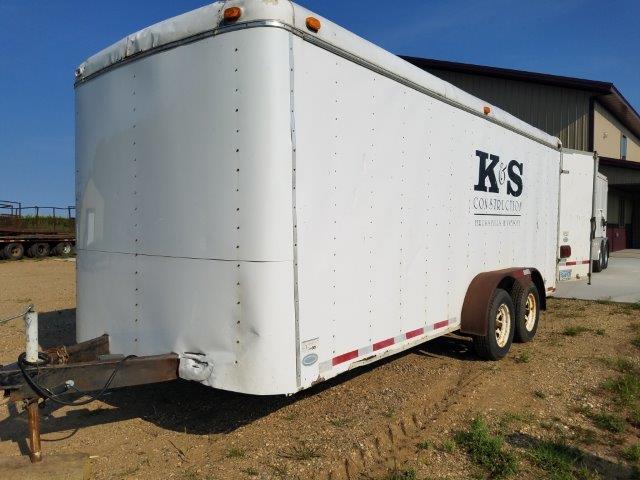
(583, 197)
(278, 201)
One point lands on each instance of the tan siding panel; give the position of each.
(562, 112)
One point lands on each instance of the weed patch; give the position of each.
(626, 388)
(557, 459)
(523, 357)
(609, 422)
(575, 331)
(633, 453)
(301, 452)
(235, 452)
(396, 474)
(487, 450)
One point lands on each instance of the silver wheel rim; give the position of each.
(531, 312)
(66, 249)
(503, 325)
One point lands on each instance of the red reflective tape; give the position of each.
(571, 263)
(345, 357)
(441, 324)
(414, 333)
(383, 344)
(585, 262)
(550, 289)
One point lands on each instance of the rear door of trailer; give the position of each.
(576, 195)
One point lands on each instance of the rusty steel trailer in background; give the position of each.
(35, 231)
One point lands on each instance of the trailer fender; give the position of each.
(476, 302)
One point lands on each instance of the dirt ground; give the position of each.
(563, 407)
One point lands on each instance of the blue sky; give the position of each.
(41, 43)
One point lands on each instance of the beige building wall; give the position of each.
(607, 132)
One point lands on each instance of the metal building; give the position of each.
(586, 115)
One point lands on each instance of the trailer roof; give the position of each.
(208, 21)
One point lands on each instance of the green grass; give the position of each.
(625, 388)
(557, 459)
(424, 445)
(523, 357)
(487, 450)
(620, 364)
(396, 474)
(633, 453)
(235, 452)
(252, 472)
(46, 222)
(575, 331)
(604, 301)
(607, 421)
(301, 452)
(340, 422)
(447, 446)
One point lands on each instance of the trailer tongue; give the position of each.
(74, 375)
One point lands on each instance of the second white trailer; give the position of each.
(278, 201)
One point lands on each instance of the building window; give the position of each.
(623, 147)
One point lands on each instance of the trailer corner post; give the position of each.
(592, 230)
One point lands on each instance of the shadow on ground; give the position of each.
(182, 406)
(579, 458)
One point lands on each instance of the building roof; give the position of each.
(606, 92)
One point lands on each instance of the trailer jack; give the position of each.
(85, 371)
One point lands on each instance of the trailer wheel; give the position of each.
(597, 264)
(39, 250)
(13, 251)
(526, 300)
(500, 328)
(63, 249)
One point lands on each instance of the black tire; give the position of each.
(487, 347)
(605, 255)
(597, 264)
(39, 250)
(526, 300)
(63, 249)
(13, 251)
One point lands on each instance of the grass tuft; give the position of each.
(626, 388)
(424, 445)
(575, 331)
(487, 450)
(633, 453)
(340, 422)
(609, 422)
(557, 459)
(301, 452)
(396, 474)
(235, 452)
(523, 357)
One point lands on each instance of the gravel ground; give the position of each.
(398, 419)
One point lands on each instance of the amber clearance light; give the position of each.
(313, 24)
(232, 14)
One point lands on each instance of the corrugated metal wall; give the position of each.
(562, 112)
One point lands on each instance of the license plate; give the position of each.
(565, 274)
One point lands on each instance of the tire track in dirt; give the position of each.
(390, 442)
